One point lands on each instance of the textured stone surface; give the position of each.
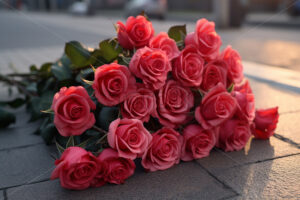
(184, 181)
(289, 126)
(20, 133)
(2, 194)
(18, 137)
(255, 150)
(24, 165)
(267, 96)
(275, 179)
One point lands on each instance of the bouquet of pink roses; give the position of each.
(160, 97)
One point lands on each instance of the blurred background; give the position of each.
(34, 31)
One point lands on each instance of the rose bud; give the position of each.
(112, 84)
(118, 169)
(205, 39)
(188, 67)
(164, 42)
(139, 105)
(152, 66)
(234, 64)
(136, 33)
(246, 102)
(216, 107)
(71, 108)
(265, 123)
(214, 72)
(128, 137)
(76, 168)
(197, 142)
(174, 104)
(233, 135)
(164, 150)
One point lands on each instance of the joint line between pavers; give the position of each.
(24, 184)
(274, 83)
(230, 197)
(287, 140)
(21, 147)
(217, 179)
(260, 161)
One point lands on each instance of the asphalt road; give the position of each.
(20, 31)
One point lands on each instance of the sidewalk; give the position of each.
(266, 169)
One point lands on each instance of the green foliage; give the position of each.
(16, 103)
(78, 55)
(106, 116)
(177, 33)
(230, 88)
(110, 50)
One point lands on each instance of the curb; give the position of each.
(284, 78)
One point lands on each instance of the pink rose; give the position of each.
(174, 104)
(136, 33)
(152, 66)
(139, 105)
(265, 123)
(233, 135)
(188, 67)
(118, 169)
(197, 142)
(214, 72)
(164, 42)
(71, 108)
(112, 84)
(216, 107)
(164, 150)
(234, 64)
(128, 137)
(205, 39)
(76, 168)
(246, 102)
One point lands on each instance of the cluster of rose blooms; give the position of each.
(189, 91)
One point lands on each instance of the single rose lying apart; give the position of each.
(176, 101)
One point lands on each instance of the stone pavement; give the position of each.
(265, 169)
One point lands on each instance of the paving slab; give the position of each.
(23, 165)
(21, 133)
(267, 95)
(289, 126)
(2, 194)
(183, 181)
(255, 151)
(275, 179)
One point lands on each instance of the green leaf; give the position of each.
(45, 69)
(70, 142)
(14, 103)
(32, 87)
(110, 50)
(33, 68)
(61, 72)
(85, 143)
(230, 88)
(177, 33)
(78, 55)
(6, 118)
(106, 116)
(59, 148)
(48, 132)
(37, 104)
